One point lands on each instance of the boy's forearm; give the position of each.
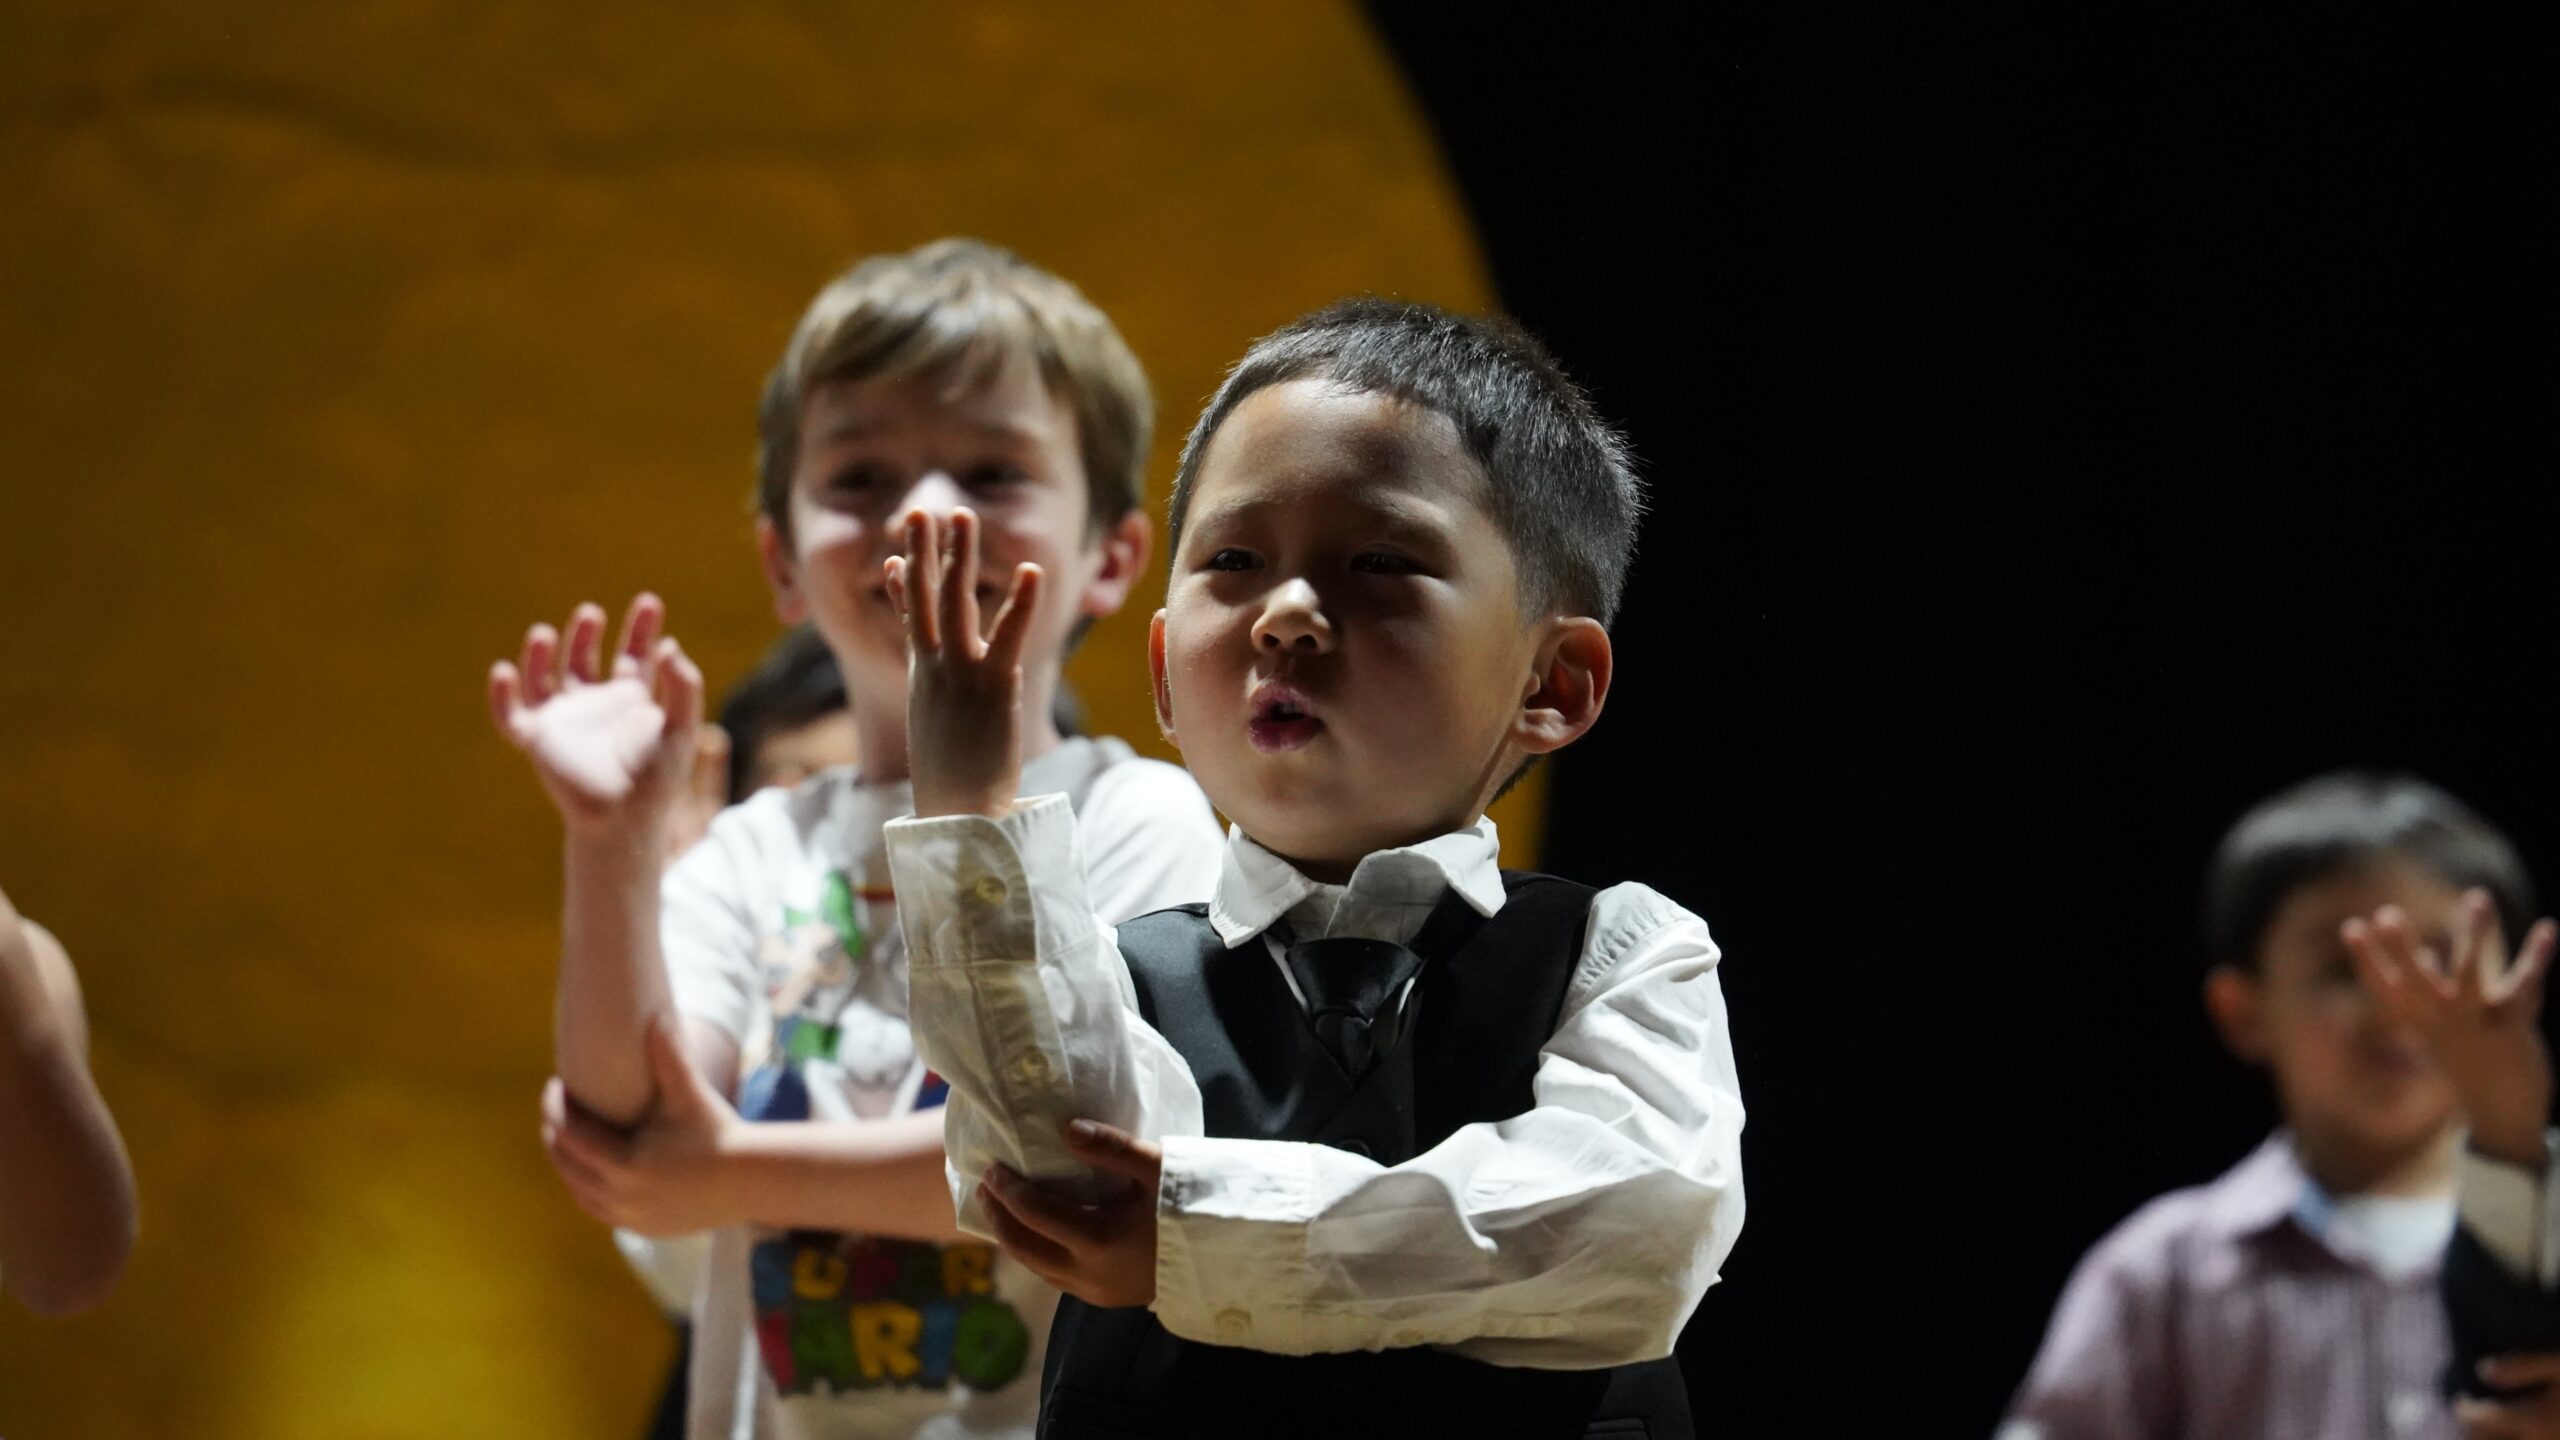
(613, 979)
(881, 1177)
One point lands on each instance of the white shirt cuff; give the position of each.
(2510, 1210)
(1231, 1241)
(964, 882)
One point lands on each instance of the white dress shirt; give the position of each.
(1580, 1233)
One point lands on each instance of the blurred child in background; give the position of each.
(2480, 1015)
(2295, 1297)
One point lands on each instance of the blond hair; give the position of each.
(957, 309)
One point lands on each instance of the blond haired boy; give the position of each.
(769, 974)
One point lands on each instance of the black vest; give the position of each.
(2491, 1312)
(1487, 999)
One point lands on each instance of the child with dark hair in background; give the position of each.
(2480, 1014)
(839, 1300)
(66, 1190)
(1393, 1142)
(2295, 1298)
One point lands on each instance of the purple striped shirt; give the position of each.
(2221, 1313)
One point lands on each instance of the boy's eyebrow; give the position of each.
(1403, 519)
(1005, 428)
(851, 426)
(856, 425)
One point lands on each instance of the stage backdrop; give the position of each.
(341, 344)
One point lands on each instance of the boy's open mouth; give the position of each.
(1282, 718)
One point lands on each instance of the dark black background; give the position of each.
(2058, 440)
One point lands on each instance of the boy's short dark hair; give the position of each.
(2335, 823)
(953, 310)
(795, 683)
(1564, 490)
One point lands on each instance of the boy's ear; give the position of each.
(1567, 689)
(1124, 544)
(1155, 676)
(781, 572)
(2233, 999)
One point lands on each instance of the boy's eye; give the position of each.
(856, 479)
(1383, 562)
(1230, 558)
(995, 477)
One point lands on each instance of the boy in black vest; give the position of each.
(1380, 1139)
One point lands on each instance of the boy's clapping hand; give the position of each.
(964, 692)
(615, 747)
(666, 1177)
(1102, 1254)
(2478, 1012)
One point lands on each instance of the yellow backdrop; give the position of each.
(342, 342)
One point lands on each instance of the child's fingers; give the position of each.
(2381, 974)
(585, 1190)
(2420, 963)
(598, 1151)
(1116, 1151)
(585, 644)
(541, 651)
(1062, 1222)
(2517, 1369)
(894, 571)
(2494, 1419)
(924, 572)
(911, 606)
(640, 628)
(1039, 1254)
(1013, 622)
(2475, 942)
(506, 698)
(2532, 963)
(678, 686)
(960, 595)
(575, 1168)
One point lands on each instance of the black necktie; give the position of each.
(1347, 983)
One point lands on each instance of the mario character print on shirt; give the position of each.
(837, 991)
(857, 1312)
(841, 1312)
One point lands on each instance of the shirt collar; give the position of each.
(2261, 1192)
(1389, 889)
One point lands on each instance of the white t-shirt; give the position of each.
(780, 929)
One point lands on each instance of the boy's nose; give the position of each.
(935, 493)
(1294, 620)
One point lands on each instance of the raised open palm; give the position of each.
(964, 688)
(611, 746)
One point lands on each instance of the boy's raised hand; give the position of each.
(2478, 1011)
(964, 691)
(612, 746)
